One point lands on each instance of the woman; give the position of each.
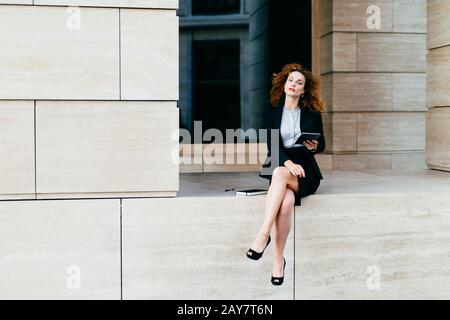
(297, 108)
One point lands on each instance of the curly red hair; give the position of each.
(311, 98)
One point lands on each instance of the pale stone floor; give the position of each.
(334, 182)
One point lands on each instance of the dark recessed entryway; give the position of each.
(216, 84)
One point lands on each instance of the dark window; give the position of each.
(215, 7)
(216, 85)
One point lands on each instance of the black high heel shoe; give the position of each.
(252, 254)
(278, 281)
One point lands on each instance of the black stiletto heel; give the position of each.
(252, 254)
(278, 281)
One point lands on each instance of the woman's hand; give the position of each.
(311, 145)
(295, 169)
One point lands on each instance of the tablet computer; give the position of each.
(307, 136)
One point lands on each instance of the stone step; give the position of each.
(196, 158)
(373, 246)
(341, 241)
(194, 248)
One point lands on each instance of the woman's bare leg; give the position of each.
(283, 223)
(281, 179)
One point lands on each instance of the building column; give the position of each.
(259, 61)
(372, 66)
(438, 85)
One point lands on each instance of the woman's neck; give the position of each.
(291, 103)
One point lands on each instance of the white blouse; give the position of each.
(290, 129)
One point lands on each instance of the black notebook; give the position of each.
(250, 192)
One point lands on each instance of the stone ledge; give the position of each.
(336, 182)
(193, 156)
(200, 158)
(402, 235)
(17, 196)
(101, 195)
(142, 4)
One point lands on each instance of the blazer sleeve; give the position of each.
(319, 128)
(269, 125)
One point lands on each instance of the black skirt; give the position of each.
(308, 184)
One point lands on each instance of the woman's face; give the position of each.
(295, 84)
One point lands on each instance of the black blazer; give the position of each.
(310, 121)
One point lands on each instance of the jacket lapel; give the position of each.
(303, 116)
(278, 116)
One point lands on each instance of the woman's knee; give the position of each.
(280, 173)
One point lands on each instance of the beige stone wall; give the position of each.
(154, 4)
(373, 81)
(438, 85)
(64, 249)
(88, 109)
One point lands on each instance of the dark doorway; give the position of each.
(289, 33)
(216, 84)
